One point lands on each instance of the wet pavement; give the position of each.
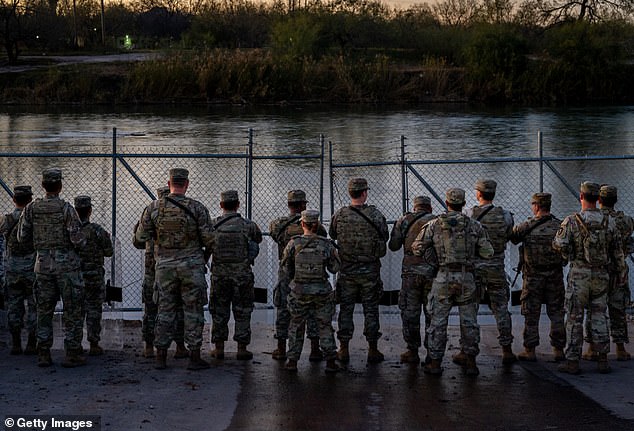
(127, 393)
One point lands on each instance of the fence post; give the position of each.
(540, 149)
(404, 188)
(332, 189)
(321, 178)
(250, 175)
(114, 201)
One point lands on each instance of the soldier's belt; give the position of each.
(458, 267)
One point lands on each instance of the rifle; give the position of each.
(520, 265)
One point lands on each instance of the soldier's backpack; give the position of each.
(454, 241)
(309, 260)
(594, 240)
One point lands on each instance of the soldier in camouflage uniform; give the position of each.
(591, 242)
(98, 246)
(619, 293)
(150, 303)
(305, 261)
(456, 240)
(20, 260)
(417, 275)
(282, 230)
(234, 249)
(543, 277)
(181, 229)
(53, 227)
(361, 233)
(490, 274)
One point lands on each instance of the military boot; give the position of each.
(243, 354)
(95, 349)
(471, 369)
(219, 351)
(31, 344)
(148, 352)
(569, 367)
(410, 356)
(44, 357)
(508, 357)
(460, 358)
(559, 354)
(343, 355)
(161, 359)
(279, 354)
(181, 351)
(602, 364)
(316, 355)
(621, 353)
(527, 355)
(195, 361)
(434, 367)
(332, 367)
(73, 358)
(590, 354)
(16, 338)
(374, 355)
(291, 366)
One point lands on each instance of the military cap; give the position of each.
(50, 175)
(162, 191)
(297, 196)
(229, 196)
(82, 201)
(455, 196)
(541, 199)
(179, 174)
(310, 216)
(607, 191)
(420, 201)
(22, 191)
(486, 186)
(357, 184)
(590, 188)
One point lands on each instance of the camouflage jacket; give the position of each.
(404, 233)
(18, 257)
(98, 246)
(284, 228)
(305, 261)
(498, 223)
(537, 252)
(625, 225)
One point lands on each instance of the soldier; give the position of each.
(361, 233)
(148, 293)
(181, 229)
(456, 240)
(543, 277)
(490, 274)
(591, 242)
(305, 261)
(282, 230)
(619, 294)
(53, 227)
(20, 260)
(417, 275)
(234, 249)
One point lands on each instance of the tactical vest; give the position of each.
(91, 255)
(538, 250)
(49, 229)
(453, 242)
(625, 225)
(231, 243)
(593, 240)
(15, 247)
(175, 228)
(291, 230)
(495, 225)
(412, 230)
(358, 240)
(310, 259)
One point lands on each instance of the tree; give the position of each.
(555, 11)
(11, 34)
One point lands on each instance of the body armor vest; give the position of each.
(593, 241)
(493, 222)
(357, 239)
(231, 243)
(538, 250)
(453, 242)
(625, 225)
(49, 229)
(14, 247)
(91, 255)
(176, 229)
(293, 229)
(310, 259)
(413, 230)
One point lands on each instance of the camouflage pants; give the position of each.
(618, 299)
(586, 289)
(319, 308)
(449, 289)
(415, 289)
(544, 288)
(366, 287)
(150, 312)
(181, 285)
(493, 280)
(19, 287)
(231, 294)
(283, 316)
(94, 297)
(49, 288)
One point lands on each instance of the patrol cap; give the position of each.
(455, 196)
(486, 186)
(296, 196)
(50, 175)
(590, 188)
(310, 216)
(420, 201)
(607, 191)
(162, 191)
(82, 201)
(357, 185)
(541, 199)
(19, 191)
(179, 174)
(229, 196)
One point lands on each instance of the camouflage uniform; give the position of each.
(54, 228)
(417, 274)
(457, 240)
(361, 246)
(305, 261)
(231, 276)
(543, 281)
(588, 278)
(19, 275)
